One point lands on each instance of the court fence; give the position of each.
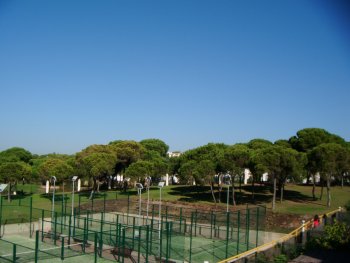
(126, 230)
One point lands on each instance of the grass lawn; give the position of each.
(298, 200)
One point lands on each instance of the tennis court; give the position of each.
(171, 234)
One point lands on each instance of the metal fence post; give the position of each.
(147, 242)
(190, 256)
(123, 244)
(247, 227)
(257, 226)
(14, 253)
(104, 202)
(62, 248)
(95, 247)
(30, 216)
(139, 245)
(238, 229)
(55, 229)
(0, 214)
(227, 232)
(70, 229)
(36, 246)
(85, 235)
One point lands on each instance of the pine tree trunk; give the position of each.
(322, 185)
(62, 190)
(328, 191)
(281, 194)
(253, 185)
(233, 194)
(274, 193)
(9, 193)
(240, 183)
(212, 191)
(313, 187)
(220, 188)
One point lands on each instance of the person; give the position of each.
(316, 221)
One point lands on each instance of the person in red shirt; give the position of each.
(316, 221)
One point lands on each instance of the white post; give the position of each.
(74, 178)
(160, 210)
(139, 190)
(53, 198)
(303, 224)
(53, 178)
(73, 201)
(147, 202)
(160, 186)
(228, 198)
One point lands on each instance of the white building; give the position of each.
(174, 154)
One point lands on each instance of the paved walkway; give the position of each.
(323, 256)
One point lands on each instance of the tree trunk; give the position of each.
(212, 191)
(233, 194)
(9, 193)
(240, 183)
(313, 187)
(281, 193)
(342, 180)
(274, 193)
(220, 188)
(93, 188)
(109, 183)
(98, 186)
(321, 195)
(253, 184)
(63, 190)
(328, 191)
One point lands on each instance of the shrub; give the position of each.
(281, 259)
(336, 236)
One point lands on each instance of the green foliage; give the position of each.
(15, 154)
(59, 168)
(282, 258)
(283, 143)
(155, 145)
(194, 164)
(96, 161)
(262, 258)
(347, 206)
(336, 236)
(307, 139)
(258, 144)
(127, 152)
(12, 172)
(139, 170)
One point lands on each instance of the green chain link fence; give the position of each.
(152, 232)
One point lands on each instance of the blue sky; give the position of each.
(76, 73)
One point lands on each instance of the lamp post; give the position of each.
(160, 186)
(2, 188)
(148, 184)
(53, 179)
(139, 191)
(74, 178)
(227, 182)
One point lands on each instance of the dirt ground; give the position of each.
(274, 222)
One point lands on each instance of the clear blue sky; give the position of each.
(76, 73)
